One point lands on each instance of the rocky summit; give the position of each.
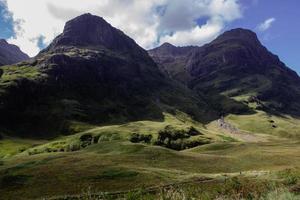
(10, 54)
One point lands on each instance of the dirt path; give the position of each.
(234, 132)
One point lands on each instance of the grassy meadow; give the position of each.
(103, 163)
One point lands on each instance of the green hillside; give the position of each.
(95, 117)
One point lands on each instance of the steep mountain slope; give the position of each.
(10, 54)
(92, 73)
(238, 66)
(171, 60)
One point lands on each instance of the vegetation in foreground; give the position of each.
(235, 188)
(126, 158)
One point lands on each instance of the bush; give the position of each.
(136, 138)
(96, 139)
(179, 139)
(171, 133)
(86, 140)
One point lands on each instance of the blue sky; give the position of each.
(32, 29)
(283, 37)
(6, 23)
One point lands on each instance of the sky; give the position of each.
(33, 24)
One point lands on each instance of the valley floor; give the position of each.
(231, 166)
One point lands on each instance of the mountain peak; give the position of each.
(88, 30)
(167, 45)
(238, 34)
(10, 53)
(3, 42)
(241, 31)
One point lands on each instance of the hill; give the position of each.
(94, 117)
(90, 74)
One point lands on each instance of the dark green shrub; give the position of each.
(136, 138)
(178, 139)
(96, 139)
(147, 138)
(172, 133)
(86, 140)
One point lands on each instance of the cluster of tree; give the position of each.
(179, 139)
(86, 140)
(172, 138)
(136, 138)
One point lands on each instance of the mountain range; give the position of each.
(92, 73)
(237, 66)
(95, 74)
(96, 116)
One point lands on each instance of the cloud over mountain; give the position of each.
(266, 24)
(149, 22)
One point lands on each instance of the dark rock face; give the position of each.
(171, 60)
(92, 73)
(91, 31)
(235, 64)
(10, 54)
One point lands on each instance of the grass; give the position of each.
(13, 73)
(116, 174)
(13, 146)
(283, 126)
(235, 188)
(123, 132)
(116, 164)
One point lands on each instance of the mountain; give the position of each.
(171, 60)
(10, 54)
(90, 74)
(235, 66)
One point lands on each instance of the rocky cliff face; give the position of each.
(10, 54)
(236, 64)
(92, 73)
(172, 60)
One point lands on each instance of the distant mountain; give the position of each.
(10, 54)
(92, 74)
(236, 66)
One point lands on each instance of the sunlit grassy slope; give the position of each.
(261, 122)
(116, 164)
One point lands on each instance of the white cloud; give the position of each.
(149, 22)
(195, 36)
(266, 24)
